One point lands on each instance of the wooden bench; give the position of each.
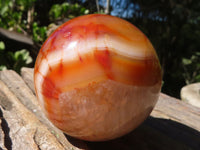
(173, 124)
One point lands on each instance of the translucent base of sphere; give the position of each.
(102, 111)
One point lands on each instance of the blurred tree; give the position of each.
(16, 15)
(66, 10)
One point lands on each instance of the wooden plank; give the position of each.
(170, 108)
(27, 75)
(19, 88)
(21, 128)
(173, 124)
(2, 135)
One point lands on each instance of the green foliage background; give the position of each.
(172, 26)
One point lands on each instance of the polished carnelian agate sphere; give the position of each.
(97, 77)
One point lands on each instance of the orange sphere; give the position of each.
(97, 77)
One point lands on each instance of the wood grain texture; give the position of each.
(173, 124)
(22, 130)
(16, 85)
(27, 75)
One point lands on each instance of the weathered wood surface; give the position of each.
(173, 124)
